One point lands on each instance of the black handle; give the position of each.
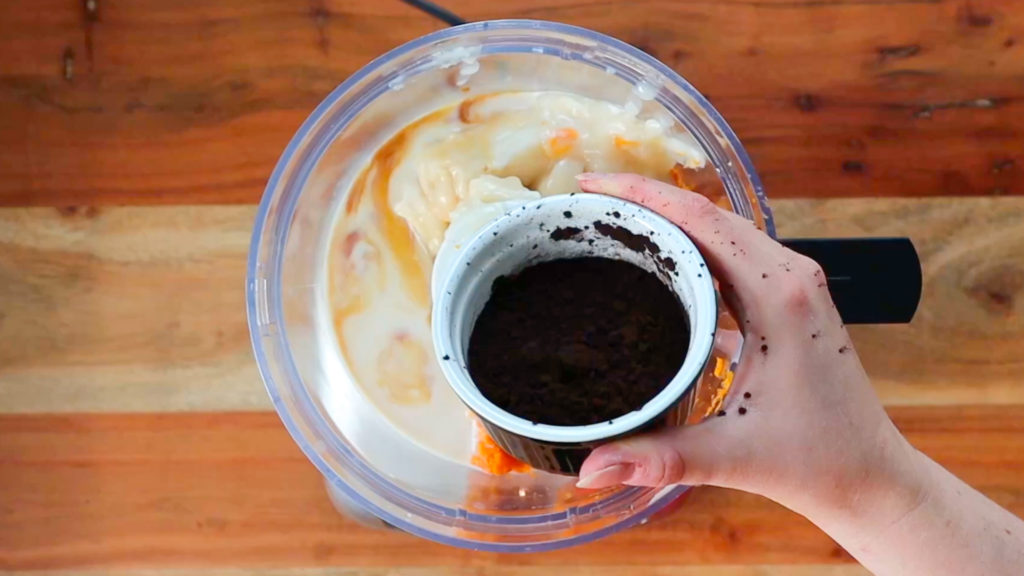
(872, 280)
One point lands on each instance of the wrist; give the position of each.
(864, 501)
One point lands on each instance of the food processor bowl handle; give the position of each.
(872, 280)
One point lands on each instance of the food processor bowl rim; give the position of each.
(258, 291)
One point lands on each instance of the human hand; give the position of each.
(802, 424)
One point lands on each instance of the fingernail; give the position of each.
(607, 476)
(596, 182)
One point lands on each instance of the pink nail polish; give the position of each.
(607, 476)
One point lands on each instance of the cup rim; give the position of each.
(702, 332)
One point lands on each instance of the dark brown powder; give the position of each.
(631, 240)
(565, 233)
(577, 341)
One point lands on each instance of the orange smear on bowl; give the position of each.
(723, 373)
(625, 143)
(491, 458)
(678, 174)
(562, 142)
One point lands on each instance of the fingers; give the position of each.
(689, 455)
(728, 242)
(761, 279)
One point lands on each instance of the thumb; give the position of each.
(694, 455)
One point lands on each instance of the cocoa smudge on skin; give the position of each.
(844, 349)
(742, 410)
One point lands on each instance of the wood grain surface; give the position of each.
(125, 309)
(207, 490)
(135, 434)
(675, 570)
(142, 308)
(149, 102)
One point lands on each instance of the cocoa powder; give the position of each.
(577, 341)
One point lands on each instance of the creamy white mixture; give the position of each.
(442, 179)
(518, 147)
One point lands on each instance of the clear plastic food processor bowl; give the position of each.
(365, 459)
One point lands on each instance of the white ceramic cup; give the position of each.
(570, 226)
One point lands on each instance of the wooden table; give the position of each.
(135, 139)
